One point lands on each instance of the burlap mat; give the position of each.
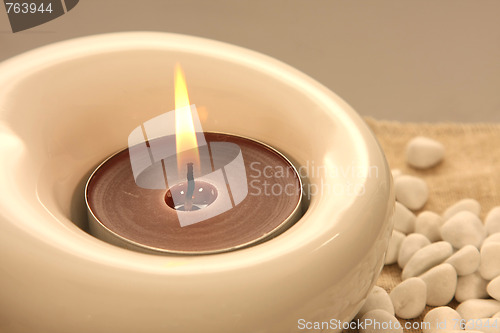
(470, 169)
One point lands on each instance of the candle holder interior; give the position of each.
(66, 107)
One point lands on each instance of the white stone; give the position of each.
(441, 319)
(411, 191)
(490, 260)
(380, 317)
(378, 299)
(426, 258)
(404, 219)
(484, 325)
(469, 205)
(493, 288)
(471, 286)
(492, 221)
(428, 224)
(494, 238)
(478, 308)
(409, 298)
(466, 260)
(423, 153)
(396, 173)
(410, 245)
(391, 257)
(441, 282)
(463, 228)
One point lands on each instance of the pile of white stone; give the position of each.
(452, 255)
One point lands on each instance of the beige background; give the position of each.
(422, 60)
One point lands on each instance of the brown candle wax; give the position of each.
(146, 218)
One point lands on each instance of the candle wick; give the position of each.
(188, 203)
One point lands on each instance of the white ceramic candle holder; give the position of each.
(66, 107)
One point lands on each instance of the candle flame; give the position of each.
(185, 134)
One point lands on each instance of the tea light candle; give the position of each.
(189, 191)
(147, 220)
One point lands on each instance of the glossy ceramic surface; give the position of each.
(65, 107)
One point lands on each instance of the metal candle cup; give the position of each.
(122, 213)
